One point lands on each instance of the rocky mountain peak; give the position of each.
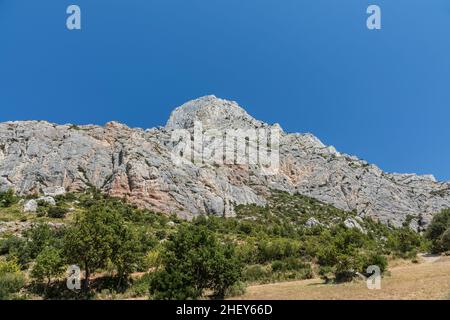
(212, 112)
(138, 165)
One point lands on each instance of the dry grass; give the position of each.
(429, 279)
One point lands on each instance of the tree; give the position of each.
(88, 241)
(49, 264)
(40, 236)
(127, 252)
(445, 240)
(437, 232)
(404, 242)
(341, 254)
(194, 260)
(98, 236)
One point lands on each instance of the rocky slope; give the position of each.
(37, 157)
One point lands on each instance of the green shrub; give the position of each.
(288, 264)
(438, 232)
(49, 264)
(375, 259)
(16, 247)
(10, 284)
(11, 279)
(278, 266)
(57, 212)
(237, 289)
(8, 198)
(404, 242)
(139, 287)
(254, 273)
(39, 237)
(277, 249)
(195, 261)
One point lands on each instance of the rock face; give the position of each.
(44, 158)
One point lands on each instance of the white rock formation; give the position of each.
(37, 156)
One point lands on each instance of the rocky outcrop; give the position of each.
(37, 157)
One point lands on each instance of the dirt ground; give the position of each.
(428, 279)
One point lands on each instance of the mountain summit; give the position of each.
(37, 156)
(212, 112)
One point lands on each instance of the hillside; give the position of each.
(293, 237)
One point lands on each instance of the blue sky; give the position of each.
(311, 65)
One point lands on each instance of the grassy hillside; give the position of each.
(140, 253)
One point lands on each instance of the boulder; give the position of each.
(30, 206)
(54, 191)
(351, 223)
(49, 200)
(312, 222)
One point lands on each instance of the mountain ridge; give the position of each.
(137, 164)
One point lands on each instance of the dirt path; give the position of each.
(429, 279)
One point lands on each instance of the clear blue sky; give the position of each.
(310, 65)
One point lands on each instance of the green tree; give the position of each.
(438, 232)
(101, 235)
(39, 237)
(404, 242)
(127, 252)
(341, 254)
(89, 240)
(49, 264)
(195, 260)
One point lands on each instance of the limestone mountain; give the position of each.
(41, 157)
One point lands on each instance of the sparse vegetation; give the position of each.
(125, 251)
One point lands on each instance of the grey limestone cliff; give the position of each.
(137, 164)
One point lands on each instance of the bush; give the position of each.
(254, 273)
(277, 249)
(8, 198)
(237, 289)
(438, 232)
(41, 236)
(278, 266)
(11, 279)
(10, 283)
(139, 287)
(49, 264)
(57, 212)
(404, 242)
(445, 240)
(342, 255)
(289, 264)
(16, 247)
(375, 259)
(195, 261)
(247, 253)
